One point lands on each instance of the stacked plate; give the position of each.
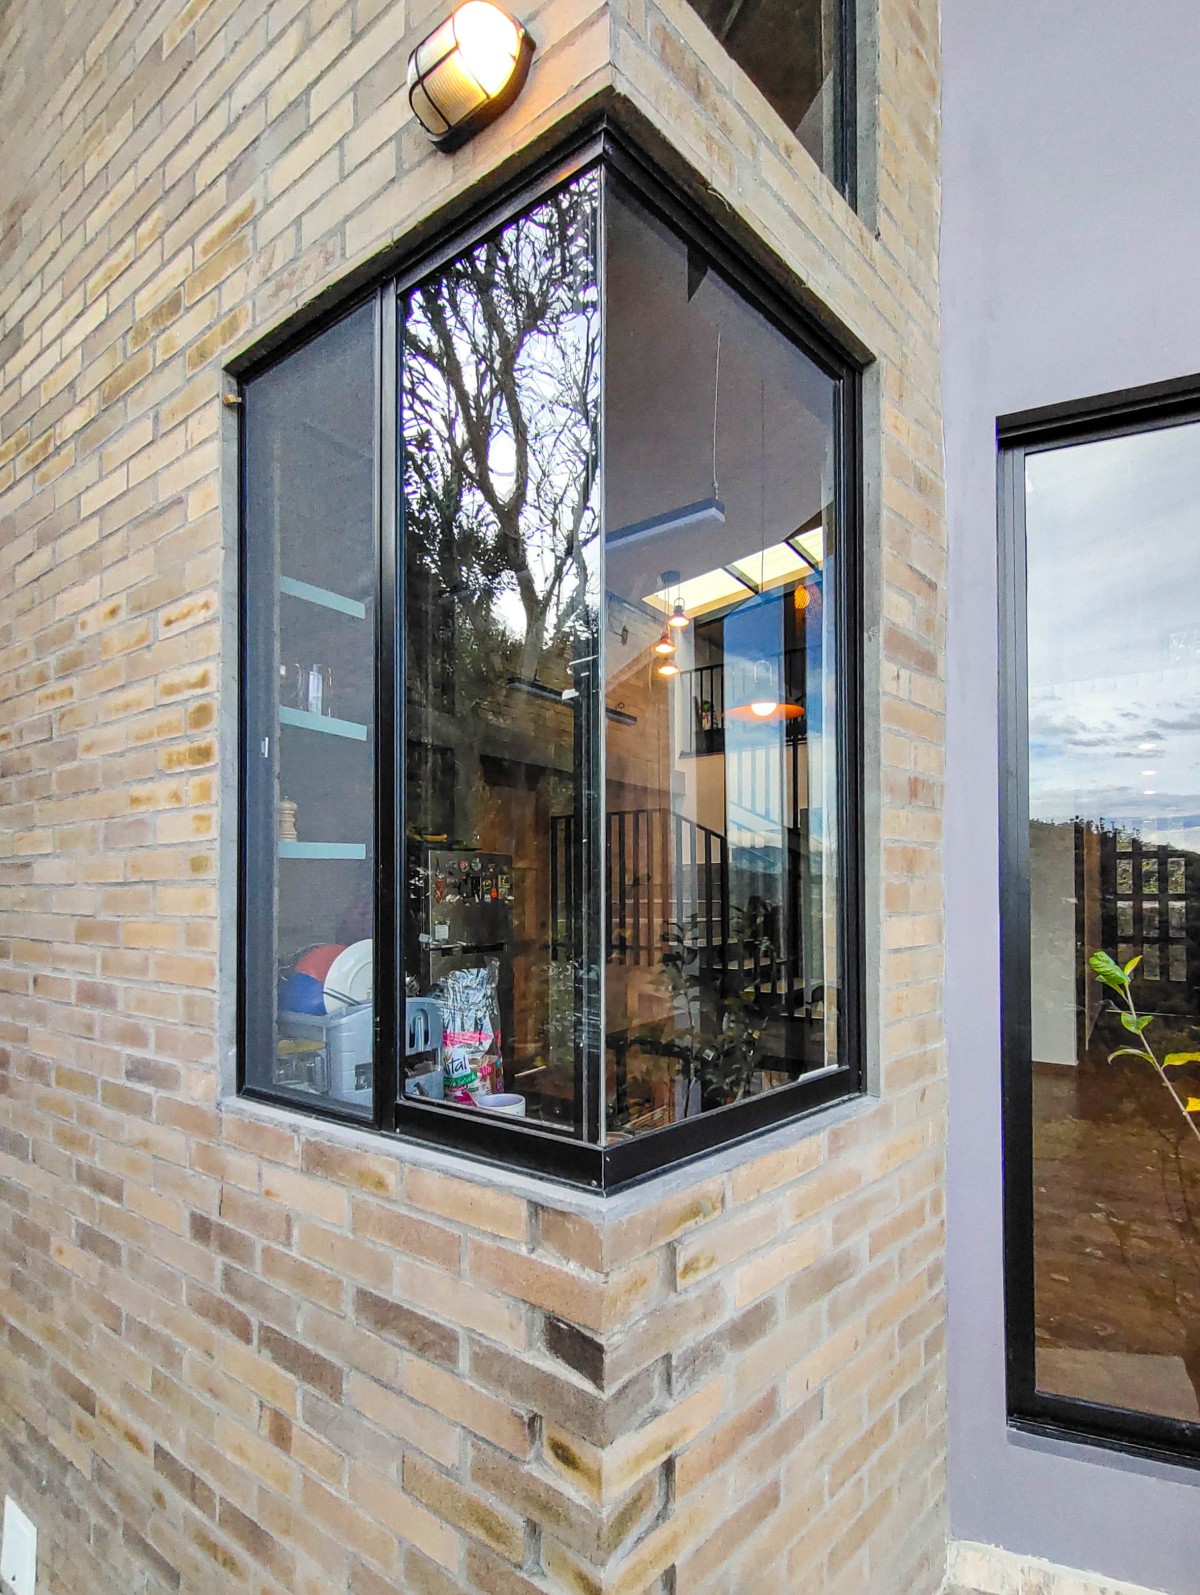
(330, 979)
(350, 979)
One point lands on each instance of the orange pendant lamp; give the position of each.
(764, 704)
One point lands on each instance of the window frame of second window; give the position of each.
(1030, 1410)
(505, 1142)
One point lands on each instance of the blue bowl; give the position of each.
(302, 994)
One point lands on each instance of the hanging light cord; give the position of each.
(716, 395)
(762, 483)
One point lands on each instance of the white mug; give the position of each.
(502, 1102)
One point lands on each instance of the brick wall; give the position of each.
(244, 1353)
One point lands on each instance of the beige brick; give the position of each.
(572, 1296)
(460, 1302)
(449, 1500)
(435, 1436)
(253, 1354)
(465, 1404)
(300, 1193)
(718, 1245)
(478, 1207)
(764, 1273)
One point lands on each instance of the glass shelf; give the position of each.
(326, 724)
(323, 597)
(350, 850)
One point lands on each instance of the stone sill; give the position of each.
(975, 1569)
(594, 1205)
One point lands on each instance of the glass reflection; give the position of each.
(720, 853)
(310, 598)
(1114, 772)
(500, 399)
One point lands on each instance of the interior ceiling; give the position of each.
(774, 414)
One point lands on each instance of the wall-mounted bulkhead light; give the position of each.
(467, 71)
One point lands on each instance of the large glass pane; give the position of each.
(310, 560)
(1114, 837)
(500, 392)
(721, 852)
(792, 50)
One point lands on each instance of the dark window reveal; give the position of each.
(797, 52)
(571, 508)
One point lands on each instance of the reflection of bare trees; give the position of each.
(501, 424)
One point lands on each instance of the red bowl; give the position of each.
(317, 961)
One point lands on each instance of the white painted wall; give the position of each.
(1070, 267)
(1052, 934)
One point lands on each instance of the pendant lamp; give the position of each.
(764, 703)
(677, 620)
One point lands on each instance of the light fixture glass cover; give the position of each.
(467, 71)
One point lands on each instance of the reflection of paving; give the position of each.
(1117, 1224)
(1146, 1383)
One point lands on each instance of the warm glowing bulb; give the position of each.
(664, 645)
(678, 618)
(763, 709)
(463, 74)
(668, 668)
(488, 42)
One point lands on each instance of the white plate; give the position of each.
(351, 977)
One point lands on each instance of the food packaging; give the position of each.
(470, 1033)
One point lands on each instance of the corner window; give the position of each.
(799, 54)
(1102, 925)
(549, 829)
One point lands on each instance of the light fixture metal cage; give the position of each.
(447, 95)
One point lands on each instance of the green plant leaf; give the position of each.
(1108, 971)
(1176, 1060)
(1136, 1024)
(1127, 1052)
(1132, 965)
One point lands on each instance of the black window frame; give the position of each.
(507, 1142)
(1119, 414)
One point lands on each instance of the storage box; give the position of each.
(348, 1039)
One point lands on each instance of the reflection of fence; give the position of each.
(663, 870)
(1138, 898)
(659, 868)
